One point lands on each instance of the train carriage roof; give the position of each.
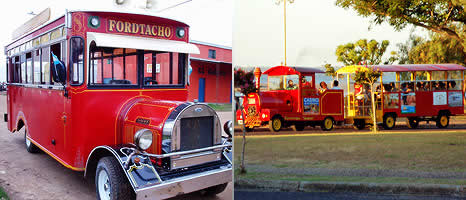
(402, 68)
(290, 70)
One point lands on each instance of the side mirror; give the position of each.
(58, 70)
(228, 128)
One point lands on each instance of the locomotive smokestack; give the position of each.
(257, 74)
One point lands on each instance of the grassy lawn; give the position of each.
(3, 195)
(428, 151)
(349, 179)
(221, 107)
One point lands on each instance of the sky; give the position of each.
(210, 20)
(314, 30)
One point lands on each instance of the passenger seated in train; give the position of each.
(291, 85)
(323, 87)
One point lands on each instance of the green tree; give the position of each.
(330, 70)
(438, 50)
(369, 77)
(404, 49)
(369, 53)
(446, 17)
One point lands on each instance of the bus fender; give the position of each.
(138, 174)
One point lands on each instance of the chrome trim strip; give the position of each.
(186, 184)
(186, 152)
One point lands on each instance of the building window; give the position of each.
(212, 54)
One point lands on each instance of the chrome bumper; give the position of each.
(186, 184)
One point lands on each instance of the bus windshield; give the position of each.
(126, 67)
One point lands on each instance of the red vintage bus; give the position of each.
(287, 96)
(416, 92)
(105, 93)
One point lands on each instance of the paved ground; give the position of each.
(39, 176)
(261, 195)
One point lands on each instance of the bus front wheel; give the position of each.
(276, 124)
(110, 180)
(389, 121)
(327, 124)
(443, 120)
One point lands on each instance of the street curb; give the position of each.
(385, 188)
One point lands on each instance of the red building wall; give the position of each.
(217, 73)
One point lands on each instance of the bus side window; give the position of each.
(23, 68)
(76, 61)
(46, 65)
(55, 49)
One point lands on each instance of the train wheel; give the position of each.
(359, 124)
(30, 147)
(413, 122)
(389, 121)
(298, 127)
(327, 124)
(443, 120)
(276, 124)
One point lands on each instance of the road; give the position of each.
(39, 176)
(456, 123)
(261, 195)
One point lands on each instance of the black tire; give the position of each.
(298, 127)
(119, 187)
(214, 190)
(359, 124)
(30, 147)
(413, 122)
(276, 124)
(443, 120)
(327, 124)
(389, 121)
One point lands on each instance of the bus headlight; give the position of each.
(143, 139)
(180, 32)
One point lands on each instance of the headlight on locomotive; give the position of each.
(143, 139)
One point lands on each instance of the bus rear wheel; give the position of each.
(276, 124)
(413, 122)
(389, 121)
(110, 181)
(327, 124)
(443, 120)
(30, 147)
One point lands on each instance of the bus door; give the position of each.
(310, 98)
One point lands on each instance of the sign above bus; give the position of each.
(117, 26)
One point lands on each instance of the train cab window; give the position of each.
(263, 81)
(287, 82)
(76, 61)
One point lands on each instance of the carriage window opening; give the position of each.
(29, 67)
(76, 60)
(17, 70)
(56, 49)
(37, 67)
(212, 53)
(23, 69)
(46, 65)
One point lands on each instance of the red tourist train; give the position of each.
(420, 92)
(289, 97)
(105, 93)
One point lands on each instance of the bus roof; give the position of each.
(289, 70)
(418, 67)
